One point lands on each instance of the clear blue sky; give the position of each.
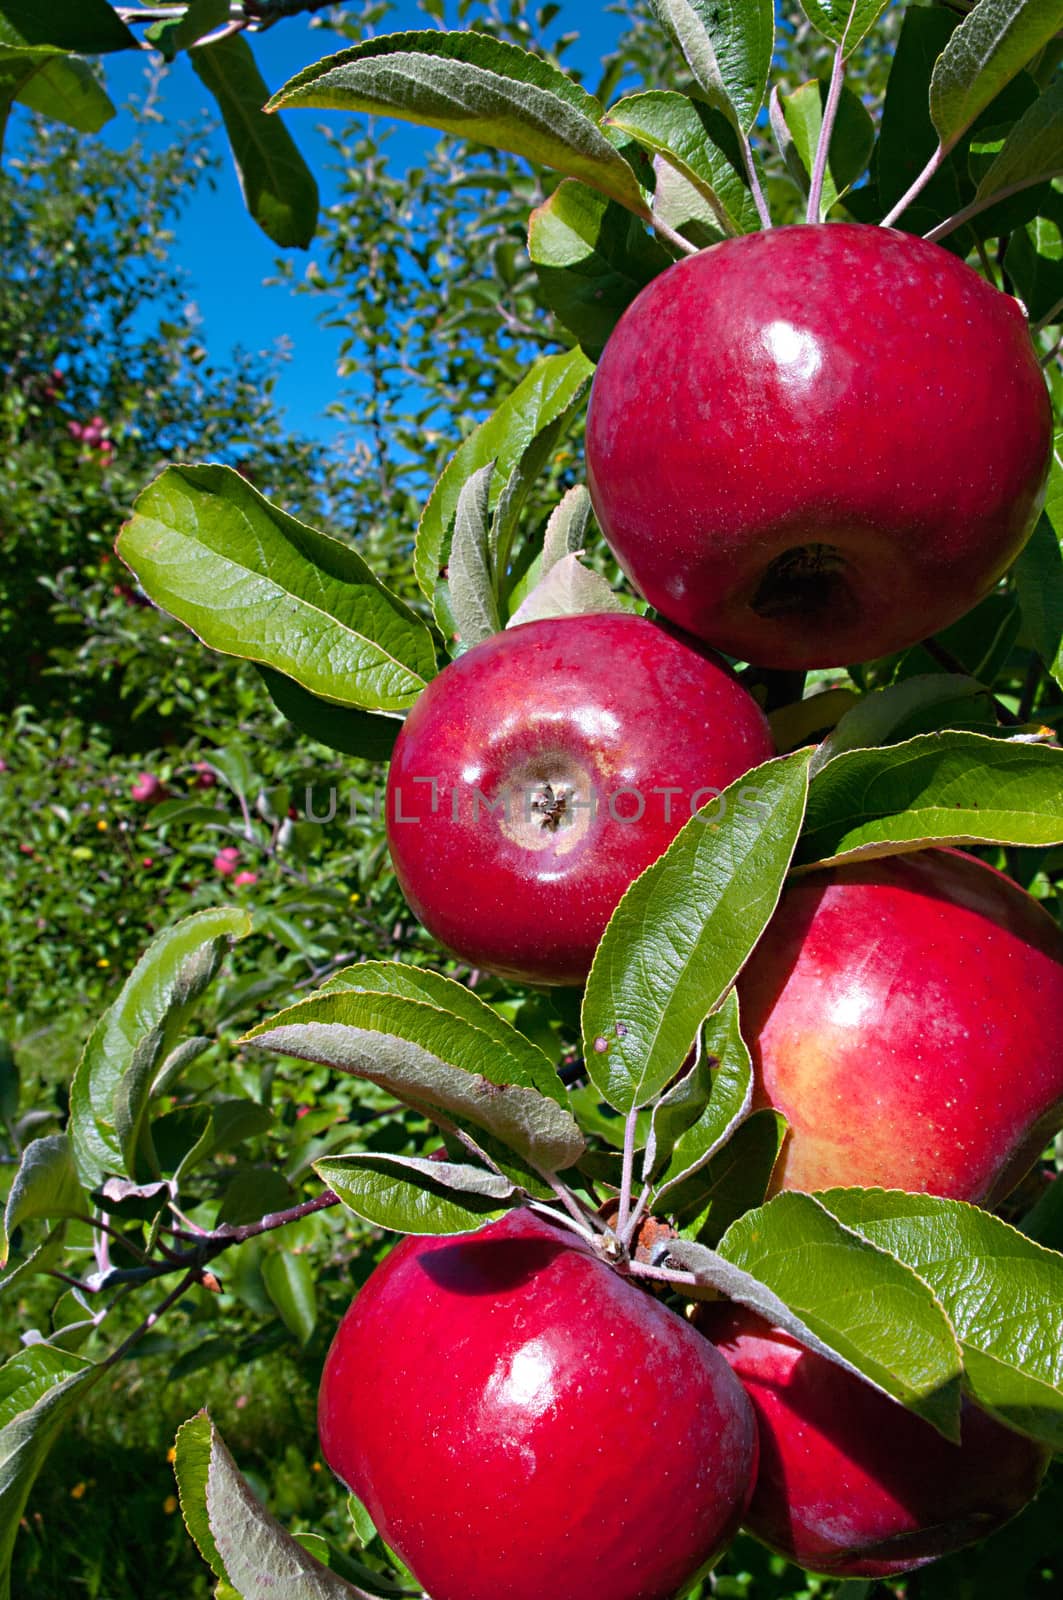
(226, 256)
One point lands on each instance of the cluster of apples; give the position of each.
(805, 447)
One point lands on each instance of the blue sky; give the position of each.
(226, 256)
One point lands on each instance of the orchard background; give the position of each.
(146, 779)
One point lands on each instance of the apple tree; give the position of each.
(721, 1117)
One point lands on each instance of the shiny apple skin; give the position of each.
(520, 1422)
(849, 1482)
(836, 386)
(602, 703)
(905, 1015)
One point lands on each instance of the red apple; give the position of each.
(149, 789)
(818, 444)
(521, 1422)
(544, 770)
(905, 1016)
(851, 1483)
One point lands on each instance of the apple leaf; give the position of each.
(479, 88)
(279, 189)
(290, 1282)
(54, 84)
(432, 1060)
(45, 1185)
(592, 258)
(907, 136)
(844, 21)
(993, 42)
(410, 1194)
(91, 27)
(684, 929)
(1034, 260)
(253, 582)
(244, 1546)
(521, 433)
(569, 590)
(1033, 150)
(866, 1304)
(1039, 573)
(852, 140)
(40, 1388)
(697, 1117)
(699, 143)
(472, 586)
(113, 1082)
(728, 46)
(417, 983)
(938, 788)
(1002, 1291)
(566, 530)
(887, 714)
(565, 535)
(732, 1183)
(344, 728)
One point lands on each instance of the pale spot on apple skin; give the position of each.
(795, 351)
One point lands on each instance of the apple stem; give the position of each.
(917, 187)
(584, 1220)
(642, 1269)
(674, 238)
(830, 113)
(636, 1216)
(943, 229)
(541, 1209)
(627, 1172)
(754, 182)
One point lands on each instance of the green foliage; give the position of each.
(248, 1116)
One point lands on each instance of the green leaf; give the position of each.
(856, 1295)
(699, 143)
(844, 20)
(243, 1545)
(113, 1080)
(40, 1388)
(253, 582)
(279, 189)
(472, 588)
(591, 258)
(697, 1117)
(479, 88)
(886, 715)
(344, 728)
(1034, 260)
(429, 1059)
(531, 1065)
(290, 1283)
(1002, 1292)
(56, 85)
(91, 27)
(566, 534)
(907, 137)
(948, 788)
(1039, 581)
(522, 432)
(733, 1182)
(1033, 150)
(409, 1194)
(728, 46)
(992, 43)
(45, 1185)
(852, 140)
(10, 1083)
(684, 929)
(569, 590)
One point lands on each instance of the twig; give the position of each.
(1050, 318)
(977, 206)
(674, 238)
(627, 1170)
(917, 187)
(754, 182)
(830, 112)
